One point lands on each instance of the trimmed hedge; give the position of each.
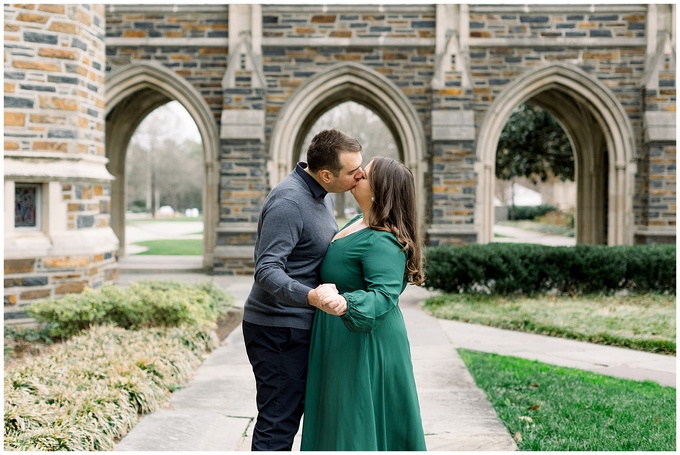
(518, 268)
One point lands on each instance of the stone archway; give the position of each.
(134, 91)
(602, 138)
(349, 82)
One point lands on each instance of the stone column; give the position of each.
(455, 214)
(243, 182)
(657, 165)
(54, 154)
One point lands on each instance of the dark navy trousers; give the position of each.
(279, 357)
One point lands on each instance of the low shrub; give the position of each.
(529, 212)
(87, 392)
(557, 219)
(144, 304)
(513, 268)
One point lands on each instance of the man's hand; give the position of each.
(335, 305)
(314, 296)
(326, 298)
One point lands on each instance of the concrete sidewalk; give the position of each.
(215, 410)
(509, 234)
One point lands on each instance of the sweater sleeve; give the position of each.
(383, 264)
(279, 234)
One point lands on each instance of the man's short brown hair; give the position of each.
(325, 149)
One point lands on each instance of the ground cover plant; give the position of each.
(642, 322)
(119, 353)
(551, 408)
(87, 392)
(20, 341)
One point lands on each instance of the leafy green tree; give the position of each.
(533, 145)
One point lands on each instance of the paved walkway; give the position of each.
(509, 234)
(215, 410)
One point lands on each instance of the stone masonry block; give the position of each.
(242, 124)
(70, 288)
(34, 295)
(14, 119)
(66, 262)
(31, 17)
(453, 125)
(19, 266)
(660, 126)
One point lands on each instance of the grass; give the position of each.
(190, 247)
(174, 219)
(642, 322)
(551, 408)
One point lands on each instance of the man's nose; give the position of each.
(360, 174)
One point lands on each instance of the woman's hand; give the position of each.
(326, 298)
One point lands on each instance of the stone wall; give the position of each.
(287, 66)
(657, 165)
(299, 42)
(190, 40)
(450, 62)
(54, 138)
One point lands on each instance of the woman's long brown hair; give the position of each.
(395, 210)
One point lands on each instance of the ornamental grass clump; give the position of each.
(124, 350)
(87, 392)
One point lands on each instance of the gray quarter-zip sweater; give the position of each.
(295, 228)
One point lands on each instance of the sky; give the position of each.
(191, 130)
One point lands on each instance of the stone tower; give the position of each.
(58, 237)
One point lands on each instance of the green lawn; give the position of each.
(551, 408)
(191, 247)
(644, 322)
(174, 219)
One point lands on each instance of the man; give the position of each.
(296, 226)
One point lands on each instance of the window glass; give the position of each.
(26, 205)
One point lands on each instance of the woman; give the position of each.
(361, 393)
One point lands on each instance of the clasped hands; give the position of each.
(326, 298)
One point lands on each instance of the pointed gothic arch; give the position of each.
(340, 83)
(133, 92)
(601, 134)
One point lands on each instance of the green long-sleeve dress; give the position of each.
(361, 393)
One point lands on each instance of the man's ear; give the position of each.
(325, 175)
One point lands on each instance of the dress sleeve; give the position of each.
(383, 265)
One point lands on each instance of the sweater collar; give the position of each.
(314, 186)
